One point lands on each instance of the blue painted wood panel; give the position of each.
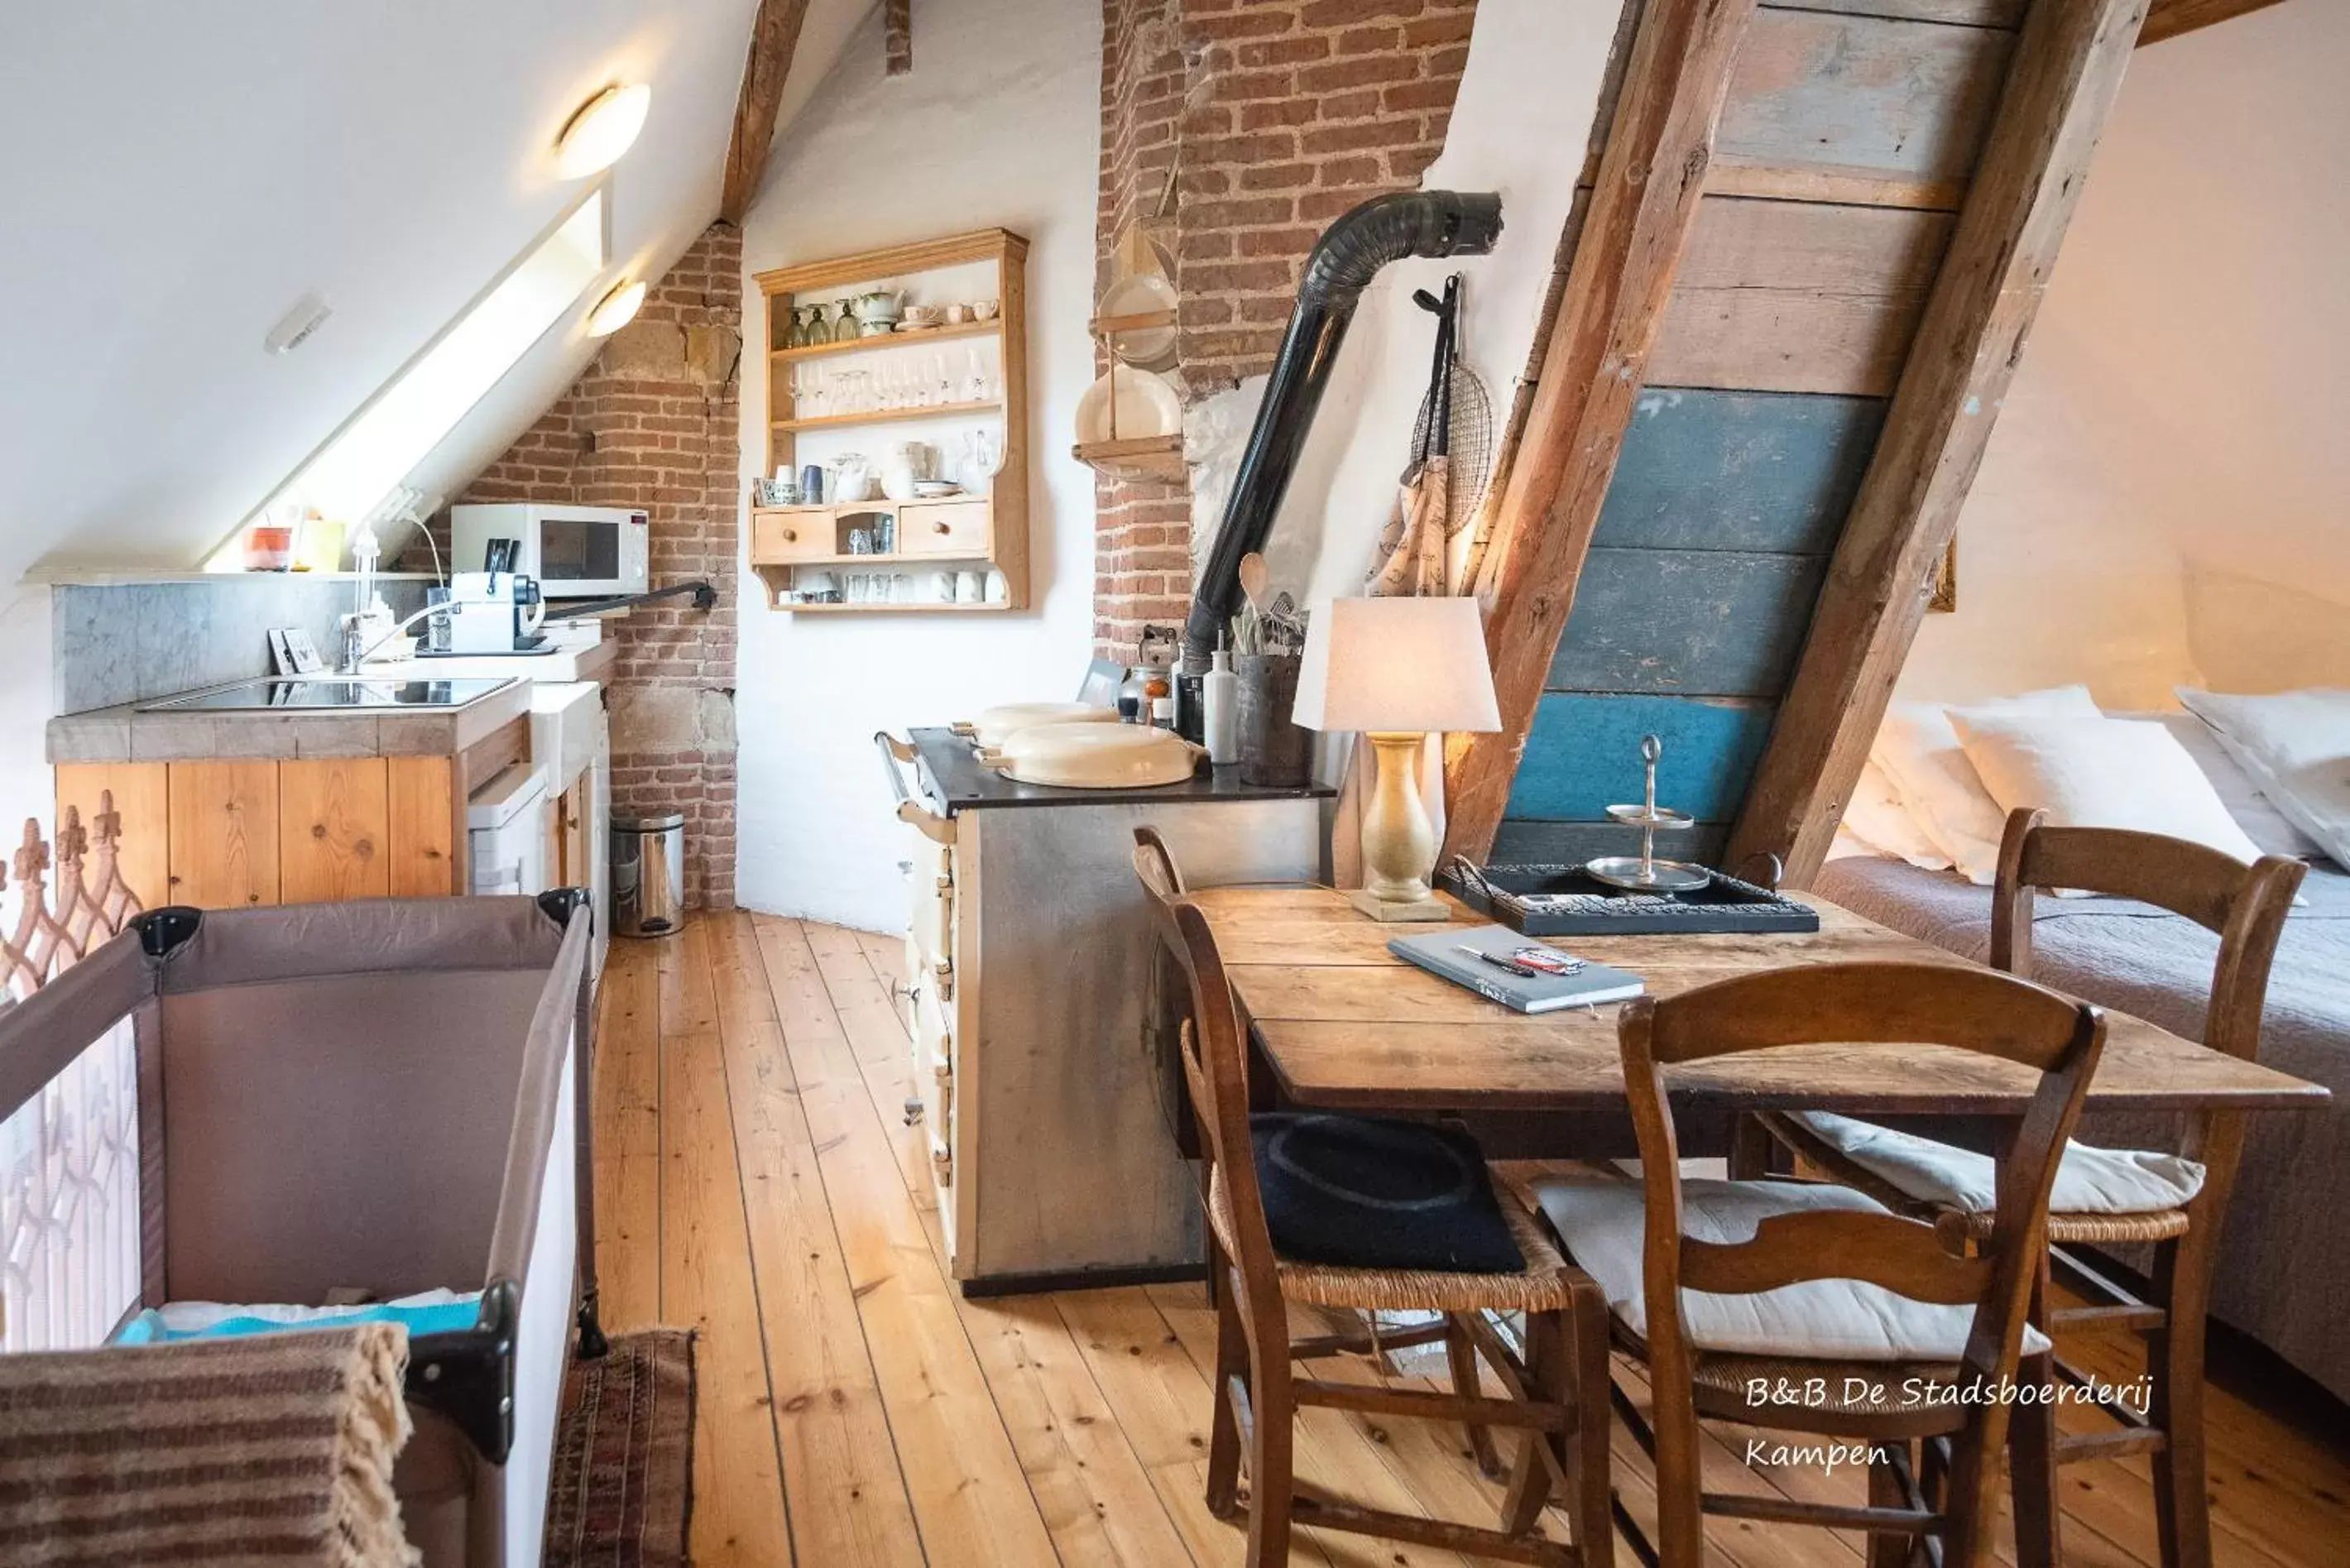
(1911, 98)
(1739, 471)
(1583, 754)
(1693, 623)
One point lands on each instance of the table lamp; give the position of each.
(1397, 669)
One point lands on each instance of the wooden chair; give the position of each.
(2246, 908)
(1705, 1357)
(1259, 1389)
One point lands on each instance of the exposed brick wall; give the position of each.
(1276, 116)
(654, 421)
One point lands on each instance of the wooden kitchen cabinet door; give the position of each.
(141, 801)
(422, 863)
(333, 830)
(224, 837)
(568, 867)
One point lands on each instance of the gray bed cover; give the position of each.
(2284, 1264)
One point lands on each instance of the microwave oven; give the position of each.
(575, 552)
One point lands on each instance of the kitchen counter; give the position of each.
(952, 777)
(123, 733)
(591, 662)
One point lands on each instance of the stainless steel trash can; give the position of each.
(648, 875)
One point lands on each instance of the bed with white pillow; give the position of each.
(2264, 775)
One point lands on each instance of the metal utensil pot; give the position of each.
(1275, 753)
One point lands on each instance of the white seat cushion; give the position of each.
(2088, 1181)
(1602, 1223)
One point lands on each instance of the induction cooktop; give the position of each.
(277, 694)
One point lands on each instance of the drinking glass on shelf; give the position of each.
(974, 383)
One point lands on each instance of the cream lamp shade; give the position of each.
(1399, 664)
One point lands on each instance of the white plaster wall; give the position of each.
(2164, 497)
(998, 125)
(26, 692)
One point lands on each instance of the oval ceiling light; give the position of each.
(616, 309)
(605, 127)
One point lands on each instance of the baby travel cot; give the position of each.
(367, 1101)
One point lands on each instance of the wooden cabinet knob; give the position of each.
(791, 536)
(942, 528)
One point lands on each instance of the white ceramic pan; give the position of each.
(997, 726)
(1094, 756)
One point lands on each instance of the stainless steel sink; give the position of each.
(326, 694)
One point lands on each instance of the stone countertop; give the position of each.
(592, 661)
(124, 734)
(954, 779)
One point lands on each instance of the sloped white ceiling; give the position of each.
(174, 177)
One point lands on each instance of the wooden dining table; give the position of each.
(1340, 1022)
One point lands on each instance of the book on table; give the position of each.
(1528, 976)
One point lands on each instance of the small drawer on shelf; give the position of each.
(945, 528)
(799, 534)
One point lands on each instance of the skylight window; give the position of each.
(351, 475)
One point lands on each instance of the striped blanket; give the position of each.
(274, 1451)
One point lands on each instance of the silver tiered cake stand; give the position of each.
(1644, 873)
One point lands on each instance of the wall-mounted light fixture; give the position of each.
(605, 127)
(616, 309)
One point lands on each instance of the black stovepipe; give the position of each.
(1349, 255)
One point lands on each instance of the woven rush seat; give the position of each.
(1543, 1286)
(1837, 1145)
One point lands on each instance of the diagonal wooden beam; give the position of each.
(897, 36)
(774, 36)
(1645, 199)
(2069, 61)
(2169, 18)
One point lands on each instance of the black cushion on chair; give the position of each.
(1369, 1193)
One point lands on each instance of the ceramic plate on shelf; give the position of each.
(1147, 406)
(1143, 294)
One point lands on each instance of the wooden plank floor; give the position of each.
(755, 1179)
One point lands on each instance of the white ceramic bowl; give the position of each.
(1147, 406)
(1141, 294)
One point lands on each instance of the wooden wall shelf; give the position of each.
(889, 340)
(961, 532)
(1137, 457)
(888, 416)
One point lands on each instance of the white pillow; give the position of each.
(2257, 815)
(2089, 1180)
(1920, 753)
(1878, 818)
(2099, 773)
(1604, 1225)
(2296, 747)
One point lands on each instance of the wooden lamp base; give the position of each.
(1430, 908)
(1398, 840)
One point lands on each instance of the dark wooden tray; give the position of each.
(1562, 901)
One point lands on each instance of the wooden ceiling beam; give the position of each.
(897, 36)
(775, 37)
(2069, 61)
(1642, 206)
(2169, 18)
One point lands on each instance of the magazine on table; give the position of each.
(1528, 976)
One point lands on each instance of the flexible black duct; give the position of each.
(1349, 255)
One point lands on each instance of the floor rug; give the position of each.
(622, 1488)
